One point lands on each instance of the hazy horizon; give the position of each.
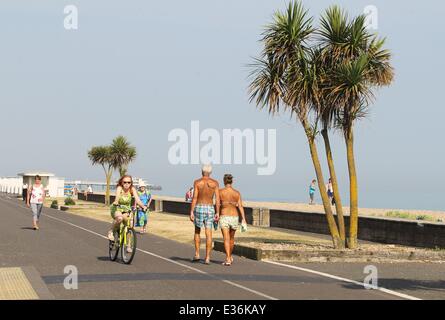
(141, 69)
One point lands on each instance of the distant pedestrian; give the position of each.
(142, 215)
(312, 191)
(75, 192)
(88, 191)
(189, 195)
(24, 191)
(35, 199)
(330, 190)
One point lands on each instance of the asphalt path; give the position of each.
(161, 268)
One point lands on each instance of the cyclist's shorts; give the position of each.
(114, 209)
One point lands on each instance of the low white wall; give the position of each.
(11, 185)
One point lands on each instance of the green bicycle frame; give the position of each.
(123, 230)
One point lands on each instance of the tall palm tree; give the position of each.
(334, 27)
(286, 75)
(122, 153)
(357, 64)
(101, 155)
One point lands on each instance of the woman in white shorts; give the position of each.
(35, 198)
(229, 220)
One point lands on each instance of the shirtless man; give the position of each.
(202, 211)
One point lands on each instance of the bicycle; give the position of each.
(126, 238)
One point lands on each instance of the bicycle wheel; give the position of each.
(128, 255)
(113, 247)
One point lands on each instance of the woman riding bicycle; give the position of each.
(121, 207)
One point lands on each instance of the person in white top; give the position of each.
(24, 191)
(35, 198)
(330, 190)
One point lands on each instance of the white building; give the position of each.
(14, 185)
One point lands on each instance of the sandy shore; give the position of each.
(434, 216)
(303, 207)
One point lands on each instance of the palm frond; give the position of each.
(267, 87)
(280, 70)
(381, 73)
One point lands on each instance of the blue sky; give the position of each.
(143, 68)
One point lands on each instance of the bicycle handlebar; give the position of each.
(125, 207)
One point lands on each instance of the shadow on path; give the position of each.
(153, 276)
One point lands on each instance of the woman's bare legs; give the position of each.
(228, 248)
(118, 219)
(232, 243)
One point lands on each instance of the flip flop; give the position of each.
(227, 264)
(195, 259)
(207, 262)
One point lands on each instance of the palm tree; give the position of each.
(287, 75)
(115, 156)
(334, 26)
(122, 153)
(356, 64)
(102, 155)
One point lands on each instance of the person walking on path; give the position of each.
(312, 191)
(35, 199)
(330, 190)
(231, 212)
(142, 216)
(202, 211)
(24, 191)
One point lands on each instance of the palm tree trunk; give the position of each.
(338, 204)
(123, 170)
(353, 191)
(107, 189)
(338, 244)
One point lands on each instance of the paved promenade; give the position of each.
(162, 269)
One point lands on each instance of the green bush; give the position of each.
(55, 204)
(425, 217)
(398, 214)
(69, 202)
(406, 215)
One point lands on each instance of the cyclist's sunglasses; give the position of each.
(126, 182)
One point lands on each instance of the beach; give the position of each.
(318, 208)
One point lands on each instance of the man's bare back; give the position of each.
(205, 190)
